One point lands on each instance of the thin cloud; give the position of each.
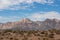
(4, 4)
(35, 17)
(44, 15)
(8, 19)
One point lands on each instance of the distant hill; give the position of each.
(27, 24)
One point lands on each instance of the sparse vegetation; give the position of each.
(29, 35)
(51, 35)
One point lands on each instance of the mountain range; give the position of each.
(27, 24)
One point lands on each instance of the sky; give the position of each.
(36, 10)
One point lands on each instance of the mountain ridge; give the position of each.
(27, 24)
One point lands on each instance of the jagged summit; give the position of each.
(25, 20)
(56, 20)
(47, 20)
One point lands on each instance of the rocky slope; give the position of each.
(27, 24)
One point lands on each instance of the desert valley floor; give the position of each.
(30, 35)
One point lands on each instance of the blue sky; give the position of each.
(14, 10)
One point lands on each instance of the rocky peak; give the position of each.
(25, 20)
(48, 20)
(55, 20)
(51, 20)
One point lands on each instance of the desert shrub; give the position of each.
(14, 31)
(2, 34)
(29, 32)
(11, 38)
(22, 33)
(51, 35)
(45, 38)
(16, 39)
(43, 32)
(38, 38)
(36, 34)
(46, 34)
(25, 38)
(35, 31)
(1, 38)
(29, 35)
(7, 30)
(58, 39)
(58, 32)
(52, 30)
